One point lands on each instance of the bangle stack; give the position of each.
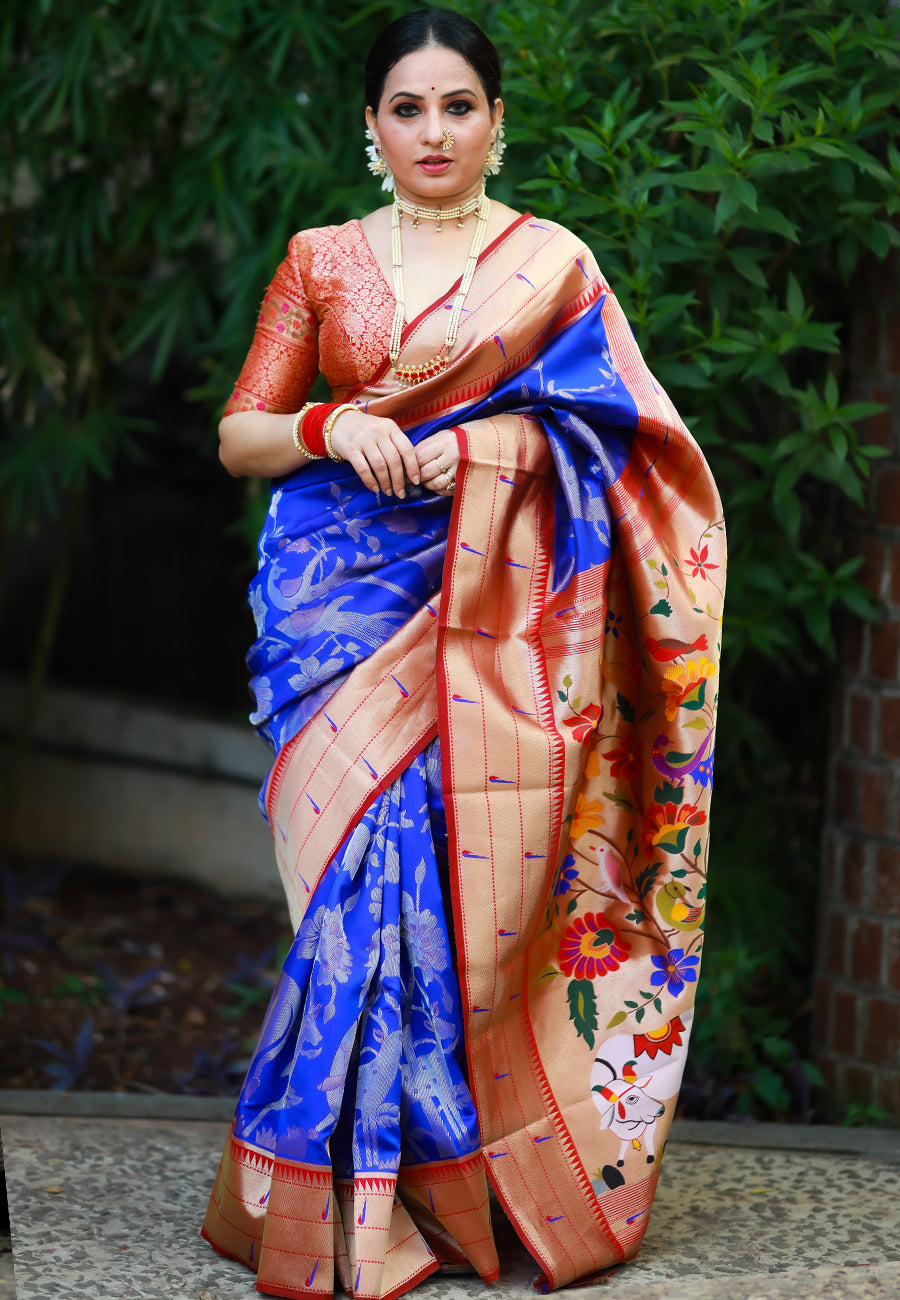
(313, 426)
(328, 426)
(302, 446)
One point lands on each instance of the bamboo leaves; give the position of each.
(729, 170)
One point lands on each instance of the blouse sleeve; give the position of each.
(283, 360)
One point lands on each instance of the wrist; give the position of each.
(312, 428)
(306, 432)
(328, 427)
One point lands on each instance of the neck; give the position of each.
(478, 203)
(445, 201)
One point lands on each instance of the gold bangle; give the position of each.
(295, 433)
(329, 425)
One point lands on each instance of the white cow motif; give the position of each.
(633, 1075)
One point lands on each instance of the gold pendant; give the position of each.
(418, 374)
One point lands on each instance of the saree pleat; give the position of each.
(494, 722)
(367, 1005)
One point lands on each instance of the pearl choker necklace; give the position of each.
(415, 374)
(457, 214)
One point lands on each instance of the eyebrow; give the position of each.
(408, 94)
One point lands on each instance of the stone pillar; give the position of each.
(857, 994)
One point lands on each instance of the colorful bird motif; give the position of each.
(675, 911)
(612, 868)
(667, 650)
(674, 765)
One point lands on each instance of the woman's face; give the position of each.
(426, 92)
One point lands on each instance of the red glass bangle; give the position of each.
(313, 425)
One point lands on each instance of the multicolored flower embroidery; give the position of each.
(636, 879)
(566, 876)
(685, 686)
(592, 946)
(586, 816)
(666, 826)
(664, 1039)
(674, 971)
(626, 760)
(585, 722)
(703, 772)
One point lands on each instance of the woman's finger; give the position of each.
(380, 452)
(435, 455)
(357, 458)
(382, 469)
(438, 446)
(396, 465)
(440, 466)
(407, 454)
(447, 459)
(363, 469)
(443, 483)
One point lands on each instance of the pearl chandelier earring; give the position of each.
(377, 165)
(494, 161)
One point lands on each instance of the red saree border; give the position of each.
(545, 1188)
(303, 1229)
(325, 779)
(471, 390)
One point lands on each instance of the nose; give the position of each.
(432, 126)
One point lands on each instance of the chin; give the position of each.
(434, 187)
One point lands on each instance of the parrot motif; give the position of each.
(675, 911)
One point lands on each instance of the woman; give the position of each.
(488, 606)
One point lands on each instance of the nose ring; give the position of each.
(448, 140)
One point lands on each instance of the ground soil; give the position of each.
(175, 980)
(163, 984)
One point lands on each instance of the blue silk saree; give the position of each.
(493, 721)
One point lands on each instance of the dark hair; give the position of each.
(439, 27)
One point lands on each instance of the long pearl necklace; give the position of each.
(480, 204)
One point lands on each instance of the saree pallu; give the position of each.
(506, 700)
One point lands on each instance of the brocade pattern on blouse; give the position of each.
(329, 309)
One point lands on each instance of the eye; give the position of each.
(406, 110)
(460, 107)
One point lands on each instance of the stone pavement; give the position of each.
(107, 1192)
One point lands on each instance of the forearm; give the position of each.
(258, 444)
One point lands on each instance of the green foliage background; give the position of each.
(728, 162)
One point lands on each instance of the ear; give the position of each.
(370, 122)
(606, 1116)
(497, 113)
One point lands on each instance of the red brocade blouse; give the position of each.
(329, 309)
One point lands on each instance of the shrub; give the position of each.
(729, 163)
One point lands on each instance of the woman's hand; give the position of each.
(438, 457)
(379, 451)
